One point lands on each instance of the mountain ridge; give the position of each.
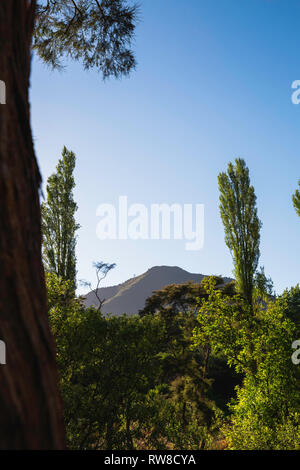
(129, 297)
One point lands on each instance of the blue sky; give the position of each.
(213, 83)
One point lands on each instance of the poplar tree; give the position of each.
(58, 220)
(241, 224)
(296, 199)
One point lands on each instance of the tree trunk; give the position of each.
(30, 404)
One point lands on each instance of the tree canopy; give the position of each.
(98, 33)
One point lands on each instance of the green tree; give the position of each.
(99, 33)
(193, 384)
(107, 367)
(263, 286)
(241, 224)
(177, 306)
(179, 417)
(266, 412)
(58, 220)
(258, 347)
(296, 200)
(290, 299)
(181, 297)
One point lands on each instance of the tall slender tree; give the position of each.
(30, 405)
(58, 220)
(296, 199)
(241, 224)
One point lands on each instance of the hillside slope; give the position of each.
(130, 296)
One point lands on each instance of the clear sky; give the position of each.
(213, 83)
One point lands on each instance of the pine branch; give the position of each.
(76, 8)
(99, 7)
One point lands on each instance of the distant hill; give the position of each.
(130, 296)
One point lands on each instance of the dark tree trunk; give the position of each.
(30, 405)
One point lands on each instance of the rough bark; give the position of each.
(30, 404)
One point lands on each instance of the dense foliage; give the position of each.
(169, 380)
(203, 366)
(259, 347)
(131, 382)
